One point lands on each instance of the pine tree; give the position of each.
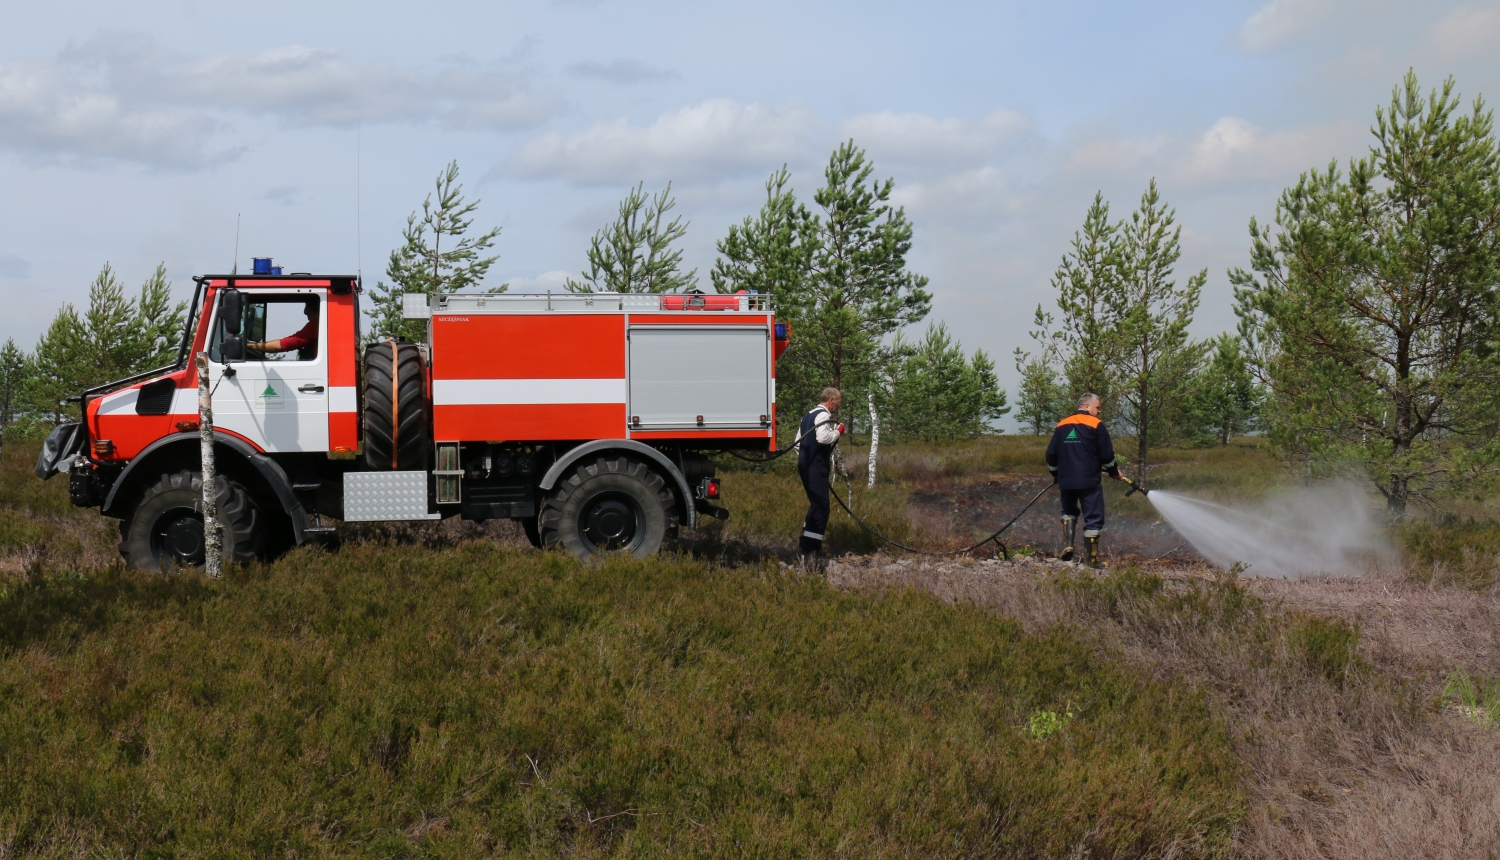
(938, 393)
(858, 290)
(771, 254)
(156, 329)
(1372, 310)
(114, 338)
(1041, 401)
(422, 266)
(635, 254)
(15, 376)
(1090, 294)
(1155, 361)
(1226, 392)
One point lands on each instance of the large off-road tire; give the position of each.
(165, 530)
(397, 429)
(611, 503)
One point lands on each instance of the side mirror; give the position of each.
(232, 310)
(233, 348)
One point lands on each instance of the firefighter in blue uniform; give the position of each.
(1079, 451)
(815, 440)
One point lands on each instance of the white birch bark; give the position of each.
(212, 545)
(874, 439)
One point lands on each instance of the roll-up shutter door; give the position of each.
(678, 373)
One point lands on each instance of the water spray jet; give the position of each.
(1326, 529)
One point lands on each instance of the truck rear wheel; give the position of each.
(610, 504)
(166, 528)
(396, 426)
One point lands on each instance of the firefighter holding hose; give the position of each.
(815, 440)
(1079, 451)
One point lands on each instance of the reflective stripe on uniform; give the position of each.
(1090, 533)
(813, 535)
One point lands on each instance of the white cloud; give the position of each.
(1281, 22)
(974, 197)
(319, 87)
(50, 111)
(121, 97)
(914, 137)
(720, 139)
(1230, 153)
(286, 195)
(553, 281)
(715, 139)
(14, 267)
(1121, 155)
(1233, 151)
(621, 72)
(1465, 33)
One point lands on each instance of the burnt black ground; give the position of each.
(971, 511)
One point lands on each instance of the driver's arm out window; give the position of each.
(278, 318)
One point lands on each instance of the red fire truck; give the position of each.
(586, 417)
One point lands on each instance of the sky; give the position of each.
(173, 131)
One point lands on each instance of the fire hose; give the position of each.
(995, 536)
(1004, 551)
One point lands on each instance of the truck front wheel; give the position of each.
(609, 504)
(166, 528)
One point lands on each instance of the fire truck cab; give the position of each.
(588, 418)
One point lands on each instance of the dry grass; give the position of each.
(1333, 690)
(39, 527)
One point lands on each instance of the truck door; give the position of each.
(277, 397)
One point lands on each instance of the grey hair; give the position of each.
(828, 394)
(1086, 399)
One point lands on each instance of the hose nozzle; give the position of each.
(1135, 488)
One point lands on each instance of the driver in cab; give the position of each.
(304, 340)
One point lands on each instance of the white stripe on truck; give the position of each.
(481, 392)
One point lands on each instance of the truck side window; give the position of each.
(276, 328)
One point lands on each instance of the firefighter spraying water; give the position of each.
(1080, 449)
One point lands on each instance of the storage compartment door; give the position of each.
(678, 373)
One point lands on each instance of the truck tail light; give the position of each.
(708, 488)
(103, 447)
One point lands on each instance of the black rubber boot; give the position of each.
(1070, 528)
(1093, 559)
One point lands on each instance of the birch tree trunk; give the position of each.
(874, 439)
(212, 546)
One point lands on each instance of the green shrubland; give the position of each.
(396, 700)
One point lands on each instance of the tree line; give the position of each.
(1367, 344)
(115, 336)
